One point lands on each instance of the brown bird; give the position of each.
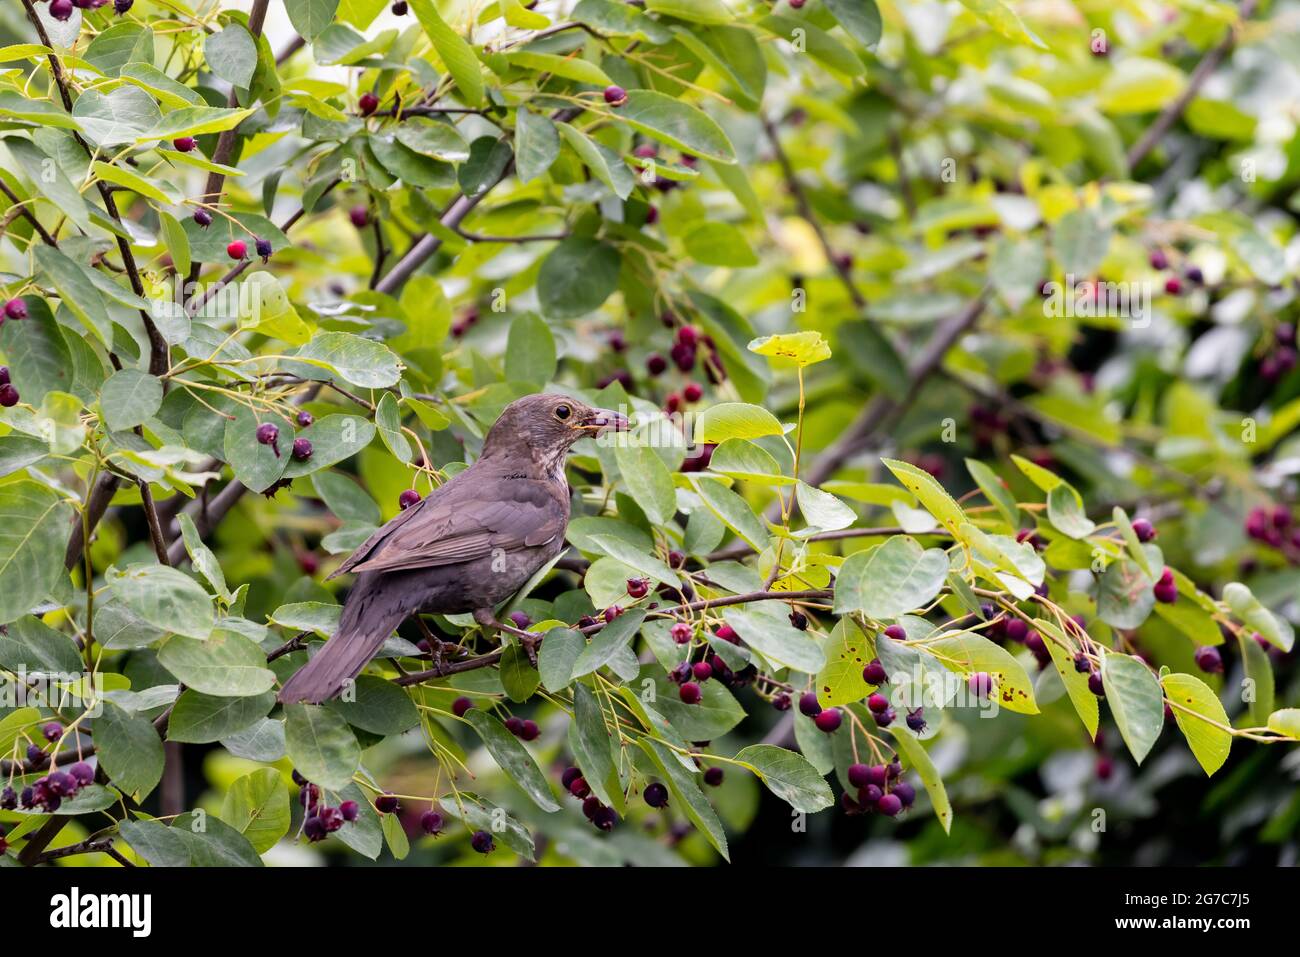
(467, 547)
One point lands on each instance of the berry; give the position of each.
(681, 673)
(4, 375)
(869, 795)
(16, 309)
(399, 8)
(302, 449)
(368, 103)
(781, 701)
(1173, 285)
(520, 620)
(431, 822)
(690, 693)
(1105, 767)
(237, 249)
(1195, 275)
(683, 356)
(676, 559)
(615, 95)
(656, 795)
(305, 419)
(515, 726)
(1159, 260)
(52, 731)
(1016, 629)
(570, 775)
(121, 6)
(61, 9)
(8, 396)
(702, 670)
(874, 673)
(980, 684)
(885, 718)
(889, 805)
(185, 144)
(331, 817)
(905, 793)
(829, 720)
(408, 498)
(1144, 530)
(656, 364)
(859, 775)
(269, 434)
(727, 633)
(349, 810)
(36, 757)
(579, 787)
(681, 632)
(530, 730)
(916, 720)
(604, 818)
(808, 704)
(1209, 660)
(61, 783)
(314, 829)
(359, 215)
(1095, 684)
(799, 620)
(1082, 664)
(693, 392)
(610, 613)
(896, 632)
(8, 799)
(460, 706)
(878, 702)
(203, 218)
(713, 777)
(1166, 590)
(482, 842)
(83, 772)
(637, 587)
(651, 215)
(298, 779)
(263, 247)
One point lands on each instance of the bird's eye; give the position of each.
(563, 411)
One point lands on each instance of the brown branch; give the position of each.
(740, 549)
(1174, 110)
(806, 212)
(151, 518)
(27, 214)
(96, 506)
(543, 238)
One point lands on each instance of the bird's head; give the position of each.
(544, 426)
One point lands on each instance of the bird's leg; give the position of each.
(435, 643)
(528, 639)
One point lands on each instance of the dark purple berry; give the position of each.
(638, 587)
(1095, 684)
(916, 720)
(61, 9)
(829, 720)
(570, 775)
(431, 822)
(615, 95)
(203, 218)
(16, 309)
(874, 673)
(713, 777)
(1209, 660)
(604, 818)
(460, 706)
(349, 810)
(302, 449)
(859, 775)
(52, 731)
(368, 103)
(690, 693)
(305, 419)
(896, 632)
(408, 498)
(656, 795)
(263, 247)
(808, 704)
(8, 396)
(482, 842)
(877, 702)
(314, 829)
(1144, 530)
(905, 792)
(781, 701)
(889, 805)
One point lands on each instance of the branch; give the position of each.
(806, 211)
(1171, 113)
(27, 214)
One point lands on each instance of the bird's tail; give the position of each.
(366, 624)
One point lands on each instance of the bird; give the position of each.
(468, 546)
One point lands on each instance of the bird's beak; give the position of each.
(603, 420)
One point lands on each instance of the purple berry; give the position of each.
(656, 795)
(1209, 660)
(615, 95)
(896, 632)
(829, 720)
(314, 829)
(61, 9)
(1095, 684)
(690, 693)
(680, 632)
(713, 777)
(16, 309)
(808, 704)
(877, 702)
(1144, 530)
(874, 673)
(905, 792)
(203, 218)
(302, 450)
(980, 684)
(431, 822)
(263, 247)
(781, 701)
(482, 842)
(8, 396)
(52, 731)
(604, 818)
(305, 419)
(460, 706)
(349, 810)
(889, 805)
(408, 498)
(859, 775)
(916, 720)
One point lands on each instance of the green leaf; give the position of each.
(377, 706)
(719, 244)
(689, 797)
(123, 115)
(489, 158)
(1277, 631)
(513, 758)
(518, 677)
(823, 510)
(1076, 683)
(995, 491)
(321, 745)
(918, 759)
(48, 177)
(1135, 700)
(1259, 674)
(608, 642)
(604, 163)
(1065, 512)
(478, 814)
(363, 362)
(816, 42)
(742, 459)
(840, 680)
(560, 651)
(456, 54)
(592, 750)
(967, 653)
(231, 54)
(713, 716)
(891, 579)
(789, 776)
(201, 719)
(735, 420)
(129, 750)
(188, 843)
(577, 276)
(257, 806)
(1081, 242)
(648, 481)
(859, 18)
(225, 665)
(388, 420)
(130, 397)
(765, 627)
(930, 493)
(32, 645)
(1124, 595)
(676, 123)
(530, 351)
(734, 511)
(537, 144)
(1286, 721)
(696, 11)
(34, 526)
(571, 68)
(1001, 17)
(310, 17)
(1139, 85)
(1200, 718)
(77, 290)
(801, 348)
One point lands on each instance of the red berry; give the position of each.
(680, 632)
(579, 787)
(690, 693)
(676, 559)
(1173, 286)
(727, 633)
(185, 144)
(829, 720)
(896, 632)
(693, 392)
(237, 249)
(637, 587)
(408, 498)
(368, 103)
(16, 309)
(809, 705)
(460, 706)
(878, 702)
(1144, 530)
(702, 670)
(360, 216)
(874, 673)
(610, 613)
(615, 95)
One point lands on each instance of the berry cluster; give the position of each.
(593, 809)
(690, 674)
(881, 789)
(321, 819)
(8, 394)
(47, 793)
(1275, 527)
(828, 720)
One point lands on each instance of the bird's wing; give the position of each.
(457, 524)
